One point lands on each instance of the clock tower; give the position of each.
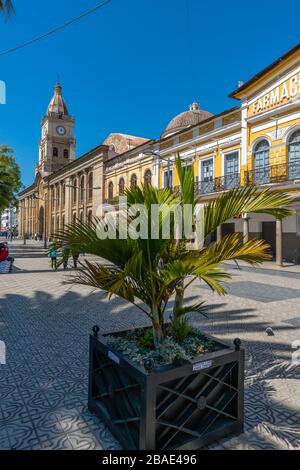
(57, 145)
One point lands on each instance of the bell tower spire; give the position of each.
(57, 145)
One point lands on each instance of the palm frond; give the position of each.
(201, 308)
(186, 181)
(244, 200)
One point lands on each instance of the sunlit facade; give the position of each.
(256, 143)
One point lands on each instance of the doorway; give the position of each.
(41, 222)
(269, 235)
(228, 229)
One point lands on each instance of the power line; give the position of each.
(58, 28)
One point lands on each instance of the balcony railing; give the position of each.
(222, 183)
(273, 174)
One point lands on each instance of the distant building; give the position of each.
(9, 219)
(256, 143)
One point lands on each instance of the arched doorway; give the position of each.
(41, 222)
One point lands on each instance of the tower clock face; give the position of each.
(61, 130)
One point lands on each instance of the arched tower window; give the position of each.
(121, 186)
(147, 177)
(91, 183)
(133, 181)
(294, 155)
(110, 190)
(66, 153)
(55, 152)
(261, 162)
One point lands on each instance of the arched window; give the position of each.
(57, 195)
(66, 153)
(55, 152)
(121, 186)
(262, 162)
(133, 181)
(90, 216)
(63, 221)
(82, 189)
(74, 191)
(91, 183)
(110, 190)
(81, 217)
(74, 217)
(294, 155)
(147, 177)
(57, 223)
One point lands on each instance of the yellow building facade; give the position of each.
(255, 143)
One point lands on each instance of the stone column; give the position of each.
(279, 242)
(219, 233)
(98, 182)
(245, 228)
(86, 195)
(78, 202)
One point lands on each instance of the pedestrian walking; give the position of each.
(75, 257)
(65, 255)
(53, 257)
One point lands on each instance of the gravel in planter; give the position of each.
(138, 346)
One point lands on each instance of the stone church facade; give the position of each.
(256, 143)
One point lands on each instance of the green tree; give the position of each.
(6, 7)
(149, 272)
(10, 177)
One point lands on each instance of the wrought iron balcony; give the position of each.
(222, 183)
(273, 174)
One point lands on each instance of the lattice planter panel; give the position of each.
(173, 407)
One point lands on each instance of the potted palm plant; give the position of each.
(168, 385)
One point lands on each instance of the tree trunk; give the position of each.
(179, 297)
(158, 334)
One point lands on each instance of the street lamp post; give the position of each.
(24, 207)
(168, 160)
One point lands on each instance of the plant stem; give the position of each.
(158, 334)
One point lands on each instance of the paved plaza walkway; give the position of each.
(45, 325)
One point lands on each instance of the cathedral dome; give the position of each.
(57, 104)
(193, 116)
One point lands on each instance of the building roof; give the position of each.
(192, 117)
(263, 72)
(120, 143)
(57, 105)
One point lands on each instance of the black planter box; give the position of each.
(182, 407)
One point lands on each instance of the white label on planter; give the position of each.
(202, 365)
(113, 357)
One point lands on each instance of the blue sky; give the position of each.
(134, 64)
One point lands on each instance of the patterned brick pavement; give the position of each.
(45, 325)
